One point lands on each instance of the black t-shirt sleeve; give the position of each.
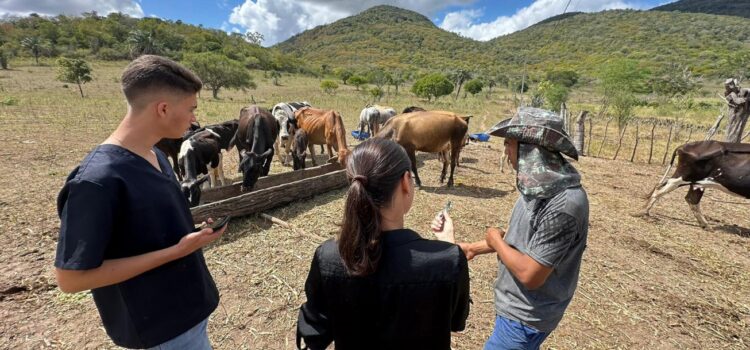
(461, 306)
(86, 221)
(313, 323)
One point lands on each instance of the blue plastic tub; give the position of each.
(363, 136)
(480, 137)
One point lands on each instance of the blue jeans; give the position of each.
(512, 335)
(195, 338)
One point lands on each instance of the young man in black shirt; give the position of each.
(126, 230)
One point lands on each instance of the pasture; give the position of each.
(658, 282)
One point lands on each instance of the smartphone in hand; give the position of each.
(217, 225)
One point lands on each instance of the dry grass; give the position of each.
(658, 282)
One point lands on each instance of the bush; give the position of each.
(432, 85)
(566, 78)
(110, 54)
(377, 93)
(357, 81)
(474, 86)
(329, 86)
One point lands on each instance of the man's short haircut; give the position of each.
(150, 72)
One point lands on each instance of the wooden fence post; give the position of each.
(651, 148)
(591, 140)
(619, 142)
(669, 141)
(606, 127)
(637, 128)
(579, 139)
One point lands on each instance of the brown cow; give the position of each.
(428, 132)
(323, 127)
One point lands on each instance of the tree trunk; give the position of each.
(215, 92)
(80, 88)
(637, 128)
(714, 128)
(619, 142)
(606, 127)
(651, 148)
(735, 127)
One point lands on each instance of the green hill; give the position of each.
(393, 37)
(385, 36)
(740, 8)
(707, 43)
(120, 37)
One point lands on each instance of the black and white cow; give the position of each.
(201, 154)
(254, 139)
(284, 114)
(171, 147)
(706, 164)
(299, 147)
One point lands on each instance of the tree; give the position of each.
(378, 77)
(620, 80)
(343, 73)
(474, 86)
(397, 78)
(34, 45)
(254, 38)
(275, 75)
(565, 78)
(143, 43)
(73, 71)
(553, 95)
(357, 81)
(432, 85)
(460, 76)
(217, 71)
(325, 69)
(377, 93)
(329, 86)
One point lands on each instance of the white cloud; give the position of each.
(465, 22)
(72, 7)
(277, 20)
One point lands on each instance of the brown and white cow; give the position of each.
(323, 127)
(429, 131)
(706, 164)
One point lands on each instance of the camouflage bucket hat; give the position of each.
(539, 127)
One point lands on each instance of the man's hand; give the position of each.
(493, 235)
(468, 250)
(442, 227)
(196, 240)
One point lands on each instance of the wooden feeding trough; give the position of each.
(269, 192)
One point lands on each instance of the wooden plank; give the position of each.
(271, 197)
(224, 192)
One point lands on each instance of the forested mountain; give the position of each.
(118, 37)
(391, 37)
(740, 8)
(385, 36)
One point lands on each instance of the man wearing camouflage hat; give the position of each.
(540, 254)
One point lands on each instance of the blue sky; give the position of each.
(277, 20)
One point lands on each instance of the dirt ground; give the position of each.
(660, 282)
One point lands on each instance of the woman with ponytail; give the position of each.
(380, 285)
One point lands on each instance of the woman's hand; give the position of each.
(442, 227)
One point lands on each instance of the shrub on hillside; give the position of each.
(432, 85)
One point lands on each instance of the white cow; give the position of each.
(284, 114)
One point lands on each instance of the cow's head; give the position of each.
(298, 159)
(251, 165)
(192, 190)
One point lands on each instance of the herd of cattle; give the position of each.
(291, 129)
